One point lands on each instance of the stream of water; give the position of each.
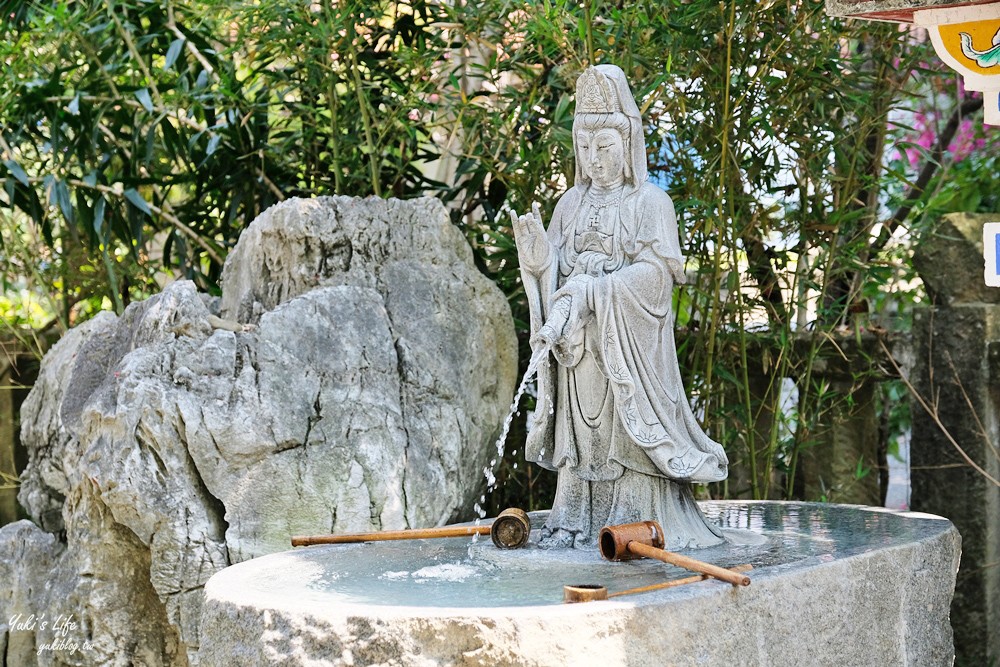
(491, 481)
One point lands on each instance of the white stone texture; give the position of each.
(54, 466)
(364, 391)
(91, 598)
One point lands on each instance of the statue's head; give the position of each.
(607, 129)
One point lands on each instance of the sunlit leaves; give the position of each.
(146, 135)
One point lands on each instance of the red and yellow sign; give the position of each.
(976, 45)
(967, 39)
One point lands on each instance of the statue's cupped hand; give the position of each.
(533, 249)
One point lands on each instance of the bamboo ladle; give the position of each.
(590, 592)
(510, 530)
(645, 540)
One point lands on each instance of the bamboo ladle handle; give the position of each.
(387, 535)
(734, 578)
(591, 592)
(677, 582)
(510, 530)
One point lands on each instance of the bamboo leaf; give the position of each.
(99, 207)
(64, 200)
(213, 143)
(136, 199)
(143, 96)
(17, 172)
(173, 52)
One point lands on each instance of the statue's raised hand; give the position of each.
(533, 249)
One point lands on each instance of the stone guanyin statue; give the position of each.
(612, 416)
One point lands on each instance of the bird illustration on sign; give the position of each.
(987, 58)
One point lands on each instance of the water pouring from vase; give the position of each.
(501, 443)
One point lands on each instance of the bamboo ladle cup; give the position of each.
(645, 540)
(510, 530)
(590, 592)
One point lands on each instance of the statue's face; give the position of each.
(602, 155)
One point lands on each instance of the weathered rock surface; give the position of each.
(53, 468)
(950, 261)
(956, 351)
(88, 601)
(363, 372)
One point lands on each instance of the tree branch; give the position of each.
(966, 108)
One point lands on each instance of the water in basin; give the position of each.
(462, 573)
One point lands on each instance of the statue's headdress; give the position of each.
(595, 93)
(603, 91)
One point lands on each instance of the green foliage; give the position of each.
(343, 88)
(971, 185)
(143, 136)
(139, 137)
(113, 147)
(767, 125)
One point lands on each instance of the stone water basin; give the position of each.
(832, 584)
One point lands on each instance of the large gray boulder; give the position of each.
(86, 601)
(352, 377)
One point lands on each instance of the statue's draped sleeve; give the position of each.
(636, 350)
(538, 289)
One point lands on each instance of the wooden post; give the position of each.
(8, 491)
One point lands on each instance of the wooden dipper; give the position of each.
(590, 592)
(584, 592)
(645, 540)
(510, 530)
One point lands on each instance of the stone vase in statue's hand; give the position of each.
(552, 331)
(533, 249)
(567, 318)
(575, 292)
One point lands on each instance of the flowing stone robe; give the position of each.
(612, 417)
